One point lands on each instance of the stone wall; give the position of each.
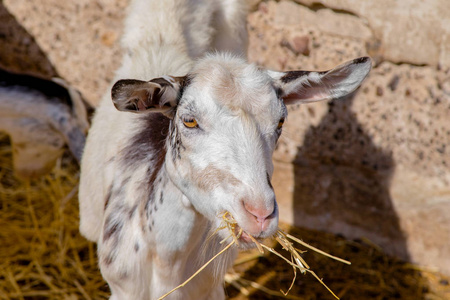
(376, 164)
(373, 165)
(79, 40)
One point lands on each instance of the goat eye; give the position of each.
(190, 122)
(280, 123)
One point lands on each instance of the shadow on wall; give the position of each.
(342, 182)
(19, 51)
(372, 275)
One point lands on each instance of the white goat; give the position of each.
(41, 116)
(194, 142)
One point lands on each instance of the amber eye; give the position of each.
(190, 122)
(280, 123)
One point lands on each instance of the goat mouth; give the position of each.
(246, 239)
(240, 237)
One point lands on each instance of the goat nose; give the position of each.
(260, 214)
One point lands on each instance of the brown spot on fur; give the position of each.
(152, 172)
(112, 227)
(147, 146)
(123, 275)
(225, 87)
(230, 82)
(108, 196)
(211, 177)
(107, 260)
(175, 142)
(293, 75)
(132, 211)
(158, 262)
(150, 226)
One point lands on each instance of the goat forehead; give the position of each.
(234, 84)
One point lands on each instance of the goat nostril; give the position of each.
(261, 220)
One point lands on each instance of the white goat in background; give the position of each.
(41, 116)
(185, 139)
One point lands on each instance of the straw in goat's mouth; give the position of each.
(284, 239)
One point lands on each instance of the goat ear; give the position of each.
(308, 86)
(157, 95)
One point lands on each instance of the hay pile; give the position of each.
(43, 256)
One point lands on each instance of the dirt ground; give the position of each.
(43, 256)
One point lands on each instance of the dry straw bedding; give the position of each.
(43, 256)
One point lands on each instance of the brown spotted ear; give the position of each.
(307, 86)
(157, 95)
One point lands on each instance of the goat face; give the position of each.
(226, 117)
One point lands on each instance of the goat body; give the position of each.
(187, 137)
(41, 116)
